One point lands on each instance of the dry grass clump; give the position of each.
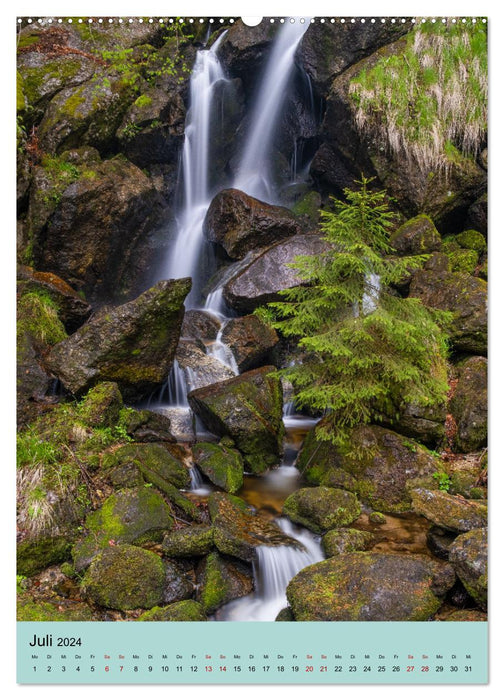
(429, 103)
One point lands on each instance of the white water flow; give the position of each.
(253, 175)
(207, 73)
(176, 394)
(274, 568)
(222, 352)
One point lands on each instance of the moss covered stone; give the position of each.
(321, 508)
(146, 426)
(59, 610)
(132, 344)
(248, 408)
(468, 555)
(380, 466)
(416, 237)
(125, 577)
(472, 240)
(285, 615)
(102, 405)
(463, 261)
(221, 580)
(377, 518)
(366, 586)
(238, 532)
(188, 542)
(222, 465)
(469, 404)
(345, 539)
(123, 518)
(153, 458)
(308, 205)
(183, 611)
(452, 513)
(33, 555)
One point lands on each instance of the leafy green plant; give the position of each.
(429, 104)
(443, 480)
(365, 350)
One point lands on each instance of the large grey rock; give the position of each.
(452, 513)
(468, 556)
(321, 508)
(250, 340)
(261, 280)
(469, 404)
(132, 344)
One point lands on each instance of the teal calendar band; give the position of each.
(252, 652)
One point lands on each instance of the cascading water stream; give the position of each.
(253, 174)
(185, 255)
(274, 568)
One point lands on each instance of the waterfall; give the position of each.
(185, 255)
(274, 568)
(176, 388)
(253, 175)
(222, 352)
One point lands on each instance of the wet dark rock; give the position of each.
(199, 325)
(133, 344)
(248, 408)
(464, 296)
(260, 281)
(177, 585)
(152, 458)
(452, 513)
(469, 404)
(439, 541)
(250, 339)
(468, 556)
(221, 580)
(97, 236)
(370, 587)
(147, 426)
(125, 577)
(244, 51)
(241, 223)
(321, 508)
(477, 215)
(73, 310)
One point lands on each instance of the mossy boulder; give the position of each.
(199, 368)
(380, 465)
(472, 240)
(248, 408)
(35, 554)
(54, 610)
(152, 459)
(102, 405)
(465, 297)
(87, 114)
(345, 539)
(124, 518)
(468, 556)
(238, 532)
(132, 344)
(221, 580)
(463, 261)
(195, 541)
(183, 611)
(250, 339)
(73, 310)
(452, 513)
(125, 577)
(222, 465)
(320, 508)
(92, 229)
(364, 586)
(146, 426)
(241, 223)
(469, 404)
(416, 237)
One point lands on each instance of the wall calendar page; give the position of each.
(252, 350)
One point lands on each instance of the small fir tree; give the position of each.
(366, 350)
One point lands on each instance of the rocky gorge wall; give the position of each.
(106, 525)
